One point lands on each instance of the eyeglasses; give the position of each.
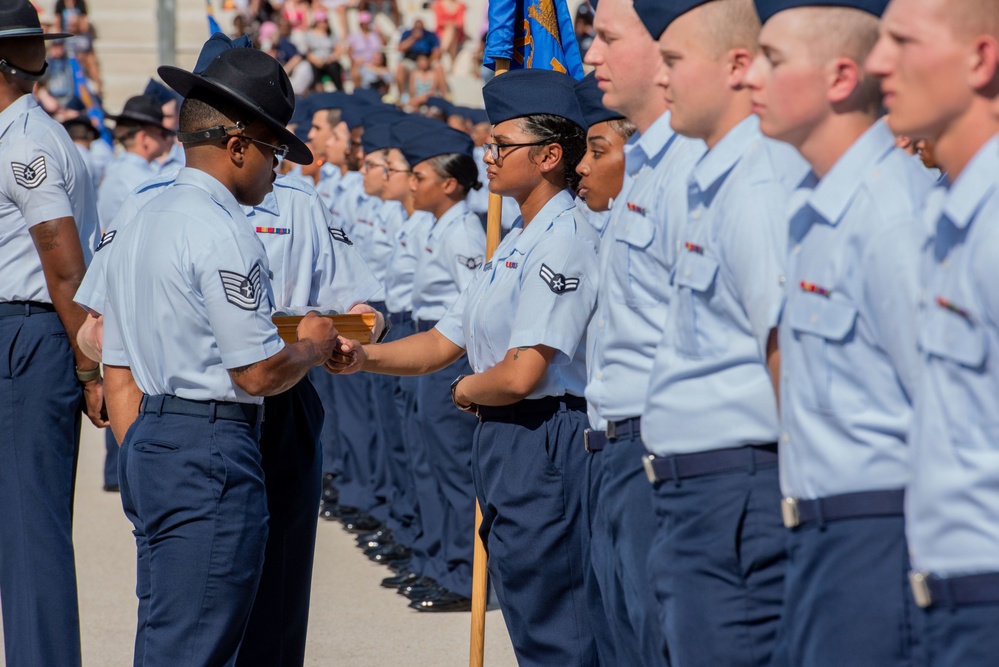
(390, 170)
(494, 149)
(280, 152)
(368, 164)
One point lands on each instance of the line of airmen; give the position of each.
(786, 334)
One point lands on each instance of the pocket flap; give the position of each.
(953, 336)
(695, 271)
(636, 230)
(822, 316)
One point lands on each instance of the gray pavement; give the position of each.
(353, 620)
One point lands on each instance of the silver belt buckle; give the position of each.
(650, 472)
(586, 438)
(921, 588)
(790, 513)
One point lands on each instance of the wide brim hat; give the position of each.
(95, 134)
(252, 81)
(19, 18)
(141, 110)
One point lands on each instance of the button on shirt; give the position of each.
(636, 258)
(848, 328)
(538, 289)
(406, 250)
(42, 178)
(953, 499)
(710, 387)
(452, 255)
(126, 173)
(189, 294)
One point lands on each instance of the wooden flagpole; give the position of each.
(480, 589)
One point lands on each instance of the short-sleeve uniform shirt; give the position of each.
(406, 247)
(451, 256)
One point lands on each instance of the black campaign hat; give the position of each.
(83, 121)
(141, 110)
(19, 18)
(252, 81)
(591, 101)
(767, 8)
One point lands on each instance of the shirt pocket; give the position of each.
(956, 338)
(694, 277)
(822, 325)
(641, 275)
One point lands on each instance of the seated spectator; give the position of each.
(424, 83)
(388, 8)
(338, 7)
(81, 47)
(364, 46)
(415, 42)
(58, 80)
(583, 27)
(64, 9)
(450, 17)
(297, 13)
(323, 52)
(377, 76)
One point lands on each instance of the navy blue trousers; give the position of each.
(291, 457)
(448, 434)
(847, 598)
(624, 524)
(329, 436)
(110, 459)
(40, 402)
(357, 436)
(529, 480)
(596, 558)
(962, 636)
(717, 563)
(426, 560)
(194, 491)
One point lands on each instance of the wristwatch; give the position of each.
(454, 387)
(88, 376)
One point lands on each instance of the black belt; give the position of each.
(684, 466)
(25, 308)
(379, 306)
(530, 409)
(249, 413)
(425, 325)
(844, 506)
(400, 317)
(972, 589)
(596, 441)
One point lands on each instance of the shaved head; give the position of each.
(970, 18)
(730, 24)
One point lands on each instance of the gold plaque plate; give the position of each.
(352, 327)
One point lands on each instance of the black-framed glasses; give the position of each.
(368, 164)
(222, 132)
(494, 148)
(280, 151)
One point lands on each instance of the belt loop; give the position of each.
(159, 408)
(212, 407)
(674, 469)
(27, 309)
(752, 459)
(820, 515)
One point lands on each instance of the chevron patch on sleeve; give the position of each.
(470, 262)
(557, 282)
(30, 175)
(242, 291)
(339, 235)
(106, 239)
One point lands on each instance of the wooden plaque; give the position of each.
(352, 327)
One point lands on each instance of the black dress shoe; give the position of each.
(112, 488)
(372, 545)
(361, 523)
(422, 588)
(381, 535)
(402, 579)
(398, 565)
(333, 512)
(446, 601)
(391, 553)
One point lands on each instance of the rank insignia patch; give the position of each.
(340, 235)
(242, 291)
(488, 266)
(557, 282)
(106, 239)
(470, 262)
(30, 175)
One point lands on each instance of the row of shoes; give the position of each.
(376, 541)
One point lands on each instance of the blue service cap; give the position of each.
(420, 139)
(440, 103)
(160, 93)
(377, 115)
(527, 92)
(478, 116)
(302, 118)
(591, 101)
(658, 14)
(378, 136)
(767, 8)
(302, 130)
(216, 45)
(369, 95)
(320, 101)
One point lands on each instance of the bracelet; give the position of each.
(88, 376)
(454, 387)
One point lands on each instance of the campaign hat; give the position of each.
(19, 18)
(141, 110)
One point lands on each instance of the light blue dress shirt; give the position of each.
(101, 156)
(385, 226)
(329, 177)
(538, 289)
(848, 328)
(451, 256)
(175, 160)
(188, 294)
(348, 197)
(710, 388)
(42, 177)
(125, 174)
(636, 257)
(952, 502)
(597, 219)
(406, 248)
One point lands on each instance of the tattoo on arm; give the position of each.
(242, 370)
(48, 235)
(516, 354)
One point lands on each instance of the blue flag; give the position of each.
(533, 34)
(94, 111)
(213, 25)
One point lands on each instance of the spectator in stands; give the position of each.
(377, 75)
(389, 8)
(364, 45)
(297, 13)
(277, 42)
(64, 9)
(58, 80)
(415, 42)
(323, 52)
(424, 83)
(583, 27)
(81, 47)
(450, 17)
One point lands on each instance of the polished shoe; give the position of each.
(372, 545)
(334, 512)
(423, 587)
(391, 553)
(398, 566)
(402, 579)
(380, 535)
(112, 488)
(445, 601)
(330, 492)
(361, 523)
